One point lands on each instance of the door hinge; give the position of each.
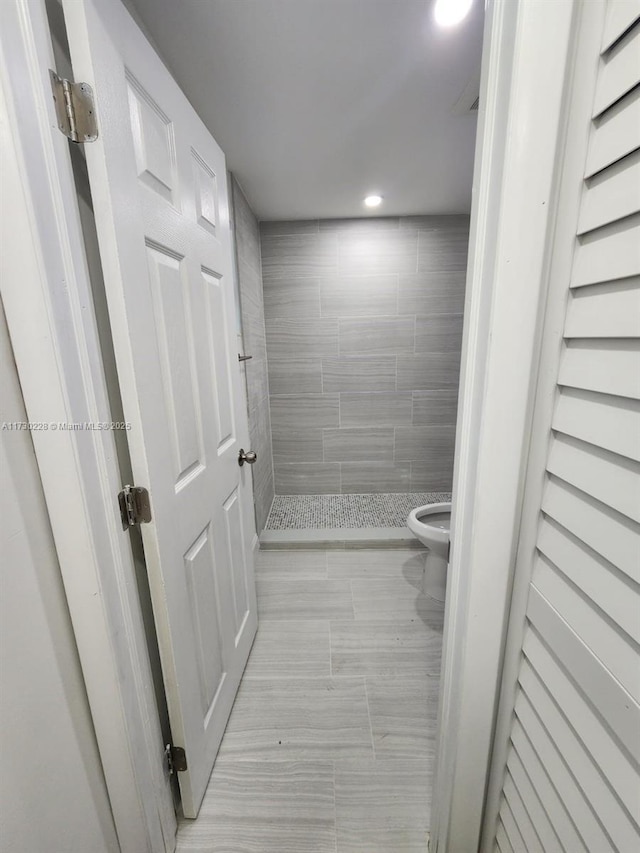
(176, 758)
(135, 507)
(75, 110)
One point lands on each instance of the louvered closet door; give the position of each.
(571, 782)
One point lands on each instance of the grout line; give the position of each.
(366, 694)
(335, 808)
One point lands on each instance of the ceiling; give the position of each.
(317, 103)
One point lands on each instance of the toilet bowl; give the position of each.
(430, 524)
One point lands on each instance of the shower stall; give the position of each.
(355, 331)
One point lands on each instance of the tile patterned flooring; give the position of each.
(330, 744)
(307, 512)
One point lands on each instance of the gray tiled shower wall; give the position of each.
(247, 238)
(363, 329)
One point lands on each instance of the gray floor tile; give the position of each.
(403, 714)
(290, 649)
(291, 565)
(382, 806)
(382, 598)
(299, 718)
(385, 648)
(304, 599)
(264, 807)
(375, 564)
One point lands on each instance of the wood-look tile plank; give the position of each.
(290, 649)
(304, 599)
(382, 806)
(299, 718)
(264, 807)
(291, 565)
(376, 563)
(403, 714)
(385, 598)
(385, 648)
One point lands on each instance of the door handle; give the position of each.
(250, 456)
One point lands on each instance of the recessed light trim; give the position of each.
(373, 201)
(448, 13)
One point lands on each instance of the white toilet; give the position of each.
(430, 524)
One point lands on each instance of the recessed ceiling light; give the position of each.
(373, 200)
(450, 12)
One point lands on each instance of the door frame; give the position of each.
(57, 352)
(521, 132)
(51, 323)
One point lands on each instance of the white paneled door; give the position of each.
(159, 189)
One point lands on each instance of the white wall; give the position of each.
(52, 792)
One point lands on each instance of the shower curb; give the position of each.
(340, 538)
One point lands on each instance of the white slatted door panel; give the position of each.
(571, 781)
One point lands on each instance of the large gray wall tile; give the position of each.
(292, 297)
(298, 255)
(292, 226)
(437, 222)
(295, 376)
(428, 372)
(360, 307)
(436, 475)
(432, 292)
(425, 443)
(361, 226)
(431, 408)
(359, 296)
(361, 478)
(297, 445)
(307, 479)
(443, 249)
(358, 445)
(377, 252)
(376, 335)
(359, 373)
(294, 339)
(305, 411)
(369, 409)
(249, 271)
(439, 333)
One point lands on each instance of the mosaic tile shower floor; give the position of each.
(323, 512)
